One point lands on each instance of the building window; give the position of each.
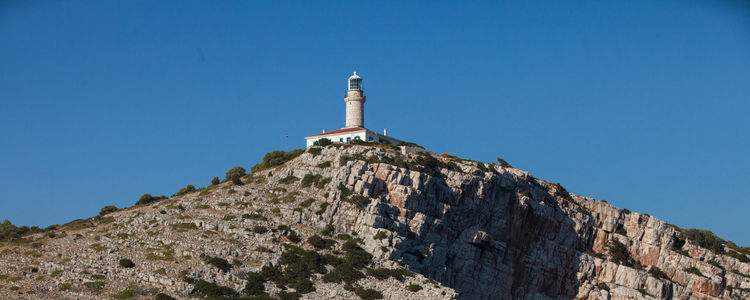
(370, 139)
(341, 140)
(357, 138)
(348, 139)
(315, 143)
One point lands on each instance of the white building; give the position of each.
(355, 120)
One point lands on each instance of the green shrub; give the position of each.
(409, 144)
(186, 190)
(128, 293)
(705, 239)
(63, 287)
(315, 151)
(107, 209)
(207, 289)
(694, 270)
(383, 273)
(368, 294)
(163, 296)
(320, 243)
(235, 172)
(323, 182)
(482, 167)
(322, 208)
(741, 257)
(619, 253)
(184, 226)
(309, 179)
(276, 158)
(380, 235)
(148, 199)
(126, 263)
(95, 286)
(324, 142)
(288, 179)
(218, 262)
(328, 230)
(293, 237)
(625, 211)
(324, 164)
(254, 284)
(259, 229)
(658, 273)
(503, 163)
(284, 295)
(215, 180)
(358, 200)
(414, 287)
(307, 203)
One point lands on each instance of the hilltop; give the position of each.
(370, 221)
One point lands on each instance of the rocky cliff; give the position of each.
(374, 221)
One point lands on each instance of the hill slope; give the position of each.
(369, 221)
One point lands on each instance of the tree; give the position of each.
(324, 142)
(215, 180)
(236, 171)
(107, 209)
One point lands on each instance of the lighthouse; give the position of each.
(355, 102)
(354, 129)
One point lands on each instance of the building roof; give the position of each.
(337, 131)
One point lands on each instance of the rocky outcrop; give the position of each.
(468, 231)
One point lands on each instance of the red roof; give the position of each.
(337, 131)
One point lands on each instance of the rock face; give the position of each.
(468, 231)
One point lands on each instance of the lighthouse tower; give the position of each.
(355, 121)
(355, 103)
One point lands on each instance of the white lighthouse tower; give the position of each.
(354, 130)
(355, 102)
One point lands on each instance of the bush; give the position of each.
(658, 273)
(380, 235)
(309, 179)
(147, 199)
(482, 167)
(414, 287)
(602, 286)
(260, 229)
(284, 295)
(215, 180)
(315, 151)
(324, 164)
(126, 263)
(741, 257)
(276, 158)
(293, 237)
(328, 230)
(95, 286)
(254, 284)
(368, 294)
(383, 273)
(107, 209)
(307, 203)
(218, 262)
(322, 208)
(288, 179)
(321, 243)
(694, 270)
(207, 289)
(235, 172)
(324, 142)
(163, 296)
(186, 190)
(503, 163)
(705, 239)
(619, 253)
(125, 294)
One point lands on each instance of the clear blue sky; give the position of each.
(641, 103)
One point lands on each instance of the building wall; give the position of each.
(338, 138)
